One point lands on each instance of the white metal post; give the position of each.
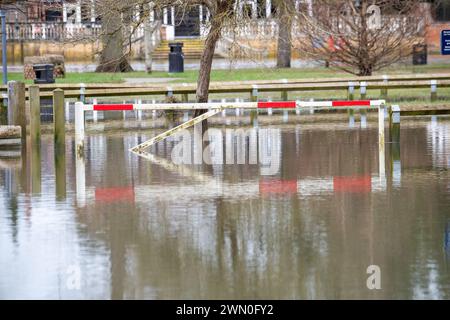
(79, 128)
(80, 177)
(381, 146)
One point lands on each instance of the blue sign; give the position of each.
(445, 42)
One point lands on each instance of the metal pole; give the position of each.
(5, 67)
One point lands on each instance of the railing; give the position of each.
(234, 49)
(261, 29)
(58, 31)
(55, 31)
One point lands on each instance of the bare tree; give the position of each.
(362, 36)
(285, 17)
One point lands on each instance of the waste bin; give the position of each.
(176, 57)
(420, 54)
(44, 73)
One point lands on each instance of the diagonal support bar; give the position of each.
(141, 147)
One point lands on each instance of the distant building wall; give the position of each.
(72, 52)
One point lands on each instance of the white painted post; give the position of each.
(268, 8)
(79, 129)
(169, 92)
(311, 109)
(172, 12)
(94, 113)
(224, 111)
(433, 90)
(351, 118)
(64, 12)
(381, 146)
(92, 11)
(82, 92)
(78, 12)
(363, 89)
(80, 177)
(165, 18)
(363, 120)
(384, 91)
(67, 110)
(394, 124)
(351, 90)
(285, 116)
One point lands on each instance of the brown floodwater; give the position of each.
(117, 226)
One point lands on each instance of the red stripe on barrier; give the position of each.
(358, 103)
(275, 186)
(277, 104)
(118, 194)
(354, 184)
(113, 107)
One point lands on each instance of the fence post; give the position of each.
(82, 92)
(58, 118)
(351, 90)
(433, 90)
(254, 98)
(185, 97)
(381, 145)
(35, 115)
(363, 90)
(394, 124)
(351, 117)
(284, 93)
(16, 106)
(79, 129)
(169, 93)
(384, 90)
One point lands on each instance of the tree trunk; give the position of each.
(284, 47)
(206, 60)
(365, 68)
(148, 46)
(112, 58)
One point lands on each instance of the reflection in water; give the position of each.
(146, 228)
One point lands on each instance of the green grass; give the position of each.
(235, 74)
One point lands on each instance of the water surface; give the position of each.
(150, 230)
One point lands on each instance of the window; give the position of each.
(261, 9)
(443, 11)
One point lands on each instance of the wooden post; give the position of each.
(35, 138)
(254, 113)
(363, 90)
(394, 134)
(82, 92)
(351, 117)
(284, 95)
(35, 115)
(36, 176)
(16, 106)
(58, 118)
(185, 97)
(384, 91)
(60, 173)
(351, 90)
(363, 115)
(169, 93)
(433, 90)
(394, 124)
(60, 143)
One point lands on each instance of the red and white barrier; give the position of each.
(80, 108)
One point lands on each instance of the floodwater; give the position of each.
(117, 226)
